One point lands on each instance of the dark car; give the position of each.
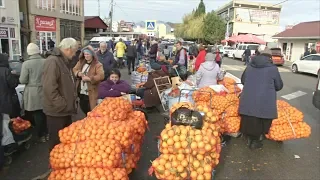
(316, 94)
(277, 56)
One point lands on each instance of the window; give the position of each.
(253, 47)
(240, 47)
(1, 3)
(48, 5)
(316, 58)
(70, 7)
(308, 58)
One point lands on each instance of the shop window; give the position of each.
(15, 47)
(70, 7)
(1, 3)
(46, 4)
(12, 33)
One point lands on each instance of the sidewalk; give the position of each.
(287, 64)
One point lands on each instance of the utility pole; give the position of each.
(111, 17)
(228, 21)
(99, 8)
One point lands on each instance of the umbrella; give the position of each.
(247, 38)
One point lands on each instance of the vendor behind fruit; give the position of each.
(113, 86)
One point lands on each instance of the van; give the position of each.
(316, 94)
(238, 53)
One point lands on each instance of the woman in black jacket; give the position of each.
(131, 56)
(8, 83)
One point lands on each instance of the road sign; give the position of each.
(151, 25)
(150, 34)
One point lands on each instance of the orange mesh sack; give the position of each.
(81, 173)
(203, 94)
(289, 131)
(112, 108)
(94, 153)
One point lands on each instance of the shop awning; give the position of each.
(246, 38)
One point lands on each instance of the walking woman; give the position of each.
(89, 72)
(31, 75)
(258, 101)
(131, 56)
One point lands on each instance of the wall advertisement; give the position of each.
(257, 16)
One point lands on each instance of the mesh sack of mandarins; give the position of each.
(98, 128)
(203, 94)
(93, 153)
(285, 112)
(112, 108)
(81, 173)
(289, 131)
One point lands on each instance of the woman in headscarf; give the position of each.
(89, 72)
(209, 72)
(31, 75)
(258, 101)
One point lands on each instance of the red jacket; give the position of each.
(200, 59)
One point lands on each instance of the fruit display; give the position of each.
(203, 94)
(20, 125)
(80, 173)
(113, 108)
(103, 145)
(289, 131)
(231, 124)
(232, 110)
(289, 124)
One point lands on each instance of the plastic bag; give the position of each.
(187, 117)
(7, 134)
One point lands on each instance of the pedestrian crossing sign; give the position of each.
(150, 25)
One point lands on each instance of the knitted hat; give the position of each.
(33, 49)
(210, 57)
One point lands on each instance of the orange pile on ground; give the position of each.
(100, 146)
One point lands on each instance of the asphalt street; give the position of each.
(274, 161)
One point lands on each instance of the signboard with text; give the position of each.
(4, 32)
(257, 16)
(43, 23)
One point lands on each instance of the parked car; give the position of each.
(238, 53)
(229, 51)
(316, 94)
(277, 56)
(307, 64)
(222, 49)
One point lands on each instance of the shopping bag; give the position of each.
(7, 134)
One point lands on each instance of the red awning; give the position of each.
(247, 38)
(224, 41)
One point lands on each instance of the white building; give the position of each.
(294, 41)
(259, 19)
(10, 28)
(115, 26)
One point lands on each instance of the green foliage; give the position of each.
(214, 28)
(200, 10)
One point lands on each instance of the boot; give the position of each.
(256, 144)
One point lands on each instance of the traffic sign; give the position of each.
(150, 34)
(151, 25)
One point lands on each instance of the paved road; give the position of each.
(275, 161)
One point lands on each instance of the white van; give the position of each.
(240, 50)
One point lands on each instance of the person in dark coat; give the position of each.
(75, 58)
(131, 57)
(153, 50)
(111, 45)
(258, 101)
(113, 86)
(8, 83)
(247, 54)
(106, 58)
(151, 97)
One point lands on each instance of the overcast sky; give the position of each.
(293, 11)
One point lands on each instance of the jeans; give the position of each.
(247, 59)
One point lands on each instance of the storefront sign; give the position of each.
(43, 23)
(4, 32)
(257, 16)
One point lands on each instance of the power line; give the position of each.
(280, 2)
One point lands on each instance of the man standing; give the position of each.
(120, 48)
(181, 56)
(75, 58)
(59, 89)
(106, 58)
(111, 45)
(247, 54)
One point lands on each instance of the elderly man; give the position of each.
(106, 58)
(59, 88)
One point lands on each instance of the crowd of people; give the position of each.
(71, 73)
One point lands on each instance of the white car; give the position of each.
(240, 50)
(229, 51)
(222, 49)
(307, 64)
(316, 94)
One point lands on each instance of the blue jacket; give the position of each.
(107, 60)
(111, 45)
(261, 80)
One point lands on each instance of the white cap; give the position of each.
(33, 49)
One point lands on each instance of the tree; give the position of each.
(200, 10)
(214, 28)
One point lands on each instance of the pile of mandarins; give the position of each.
(19, 125)
(289, 124)
(187, 152)
(104, 145)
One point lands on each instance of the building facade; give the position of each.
(259, 19)
(10, 28)
(295, 40)
(55, 20)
